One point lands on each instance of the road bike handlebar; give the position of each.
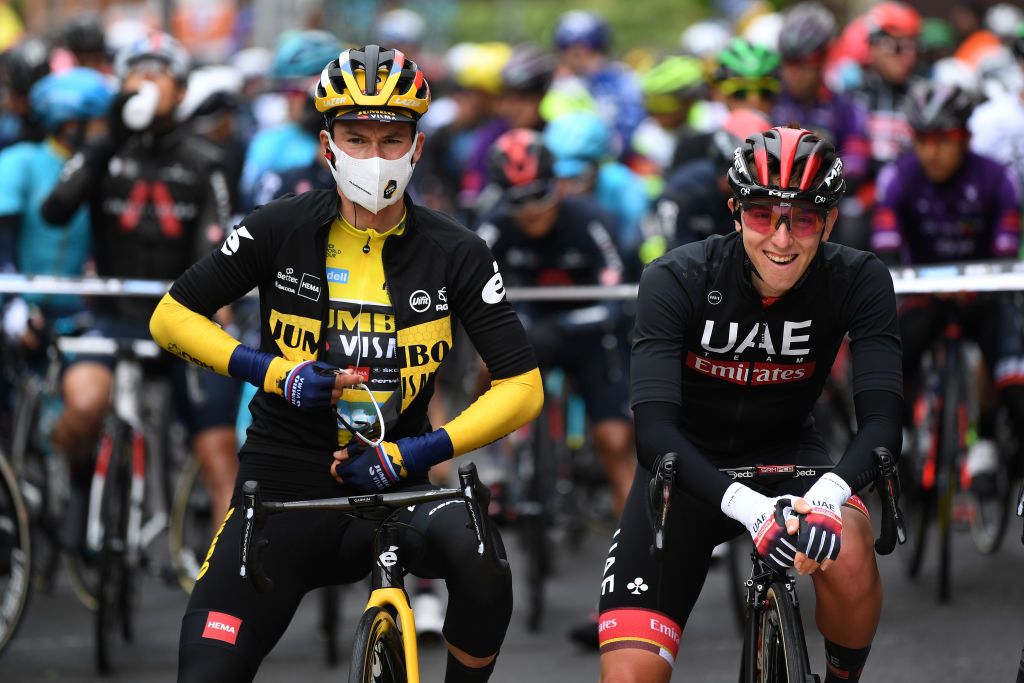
(886, 483)
(255, 511)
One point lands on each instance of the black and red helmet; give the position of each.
(788, 164)
(519, 162)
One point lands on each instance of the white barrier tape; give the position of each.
(993, 276)
(103, 346)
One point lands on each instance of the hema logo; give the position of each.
(223, 627)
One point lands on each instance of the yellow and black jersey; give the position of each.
(391, 315)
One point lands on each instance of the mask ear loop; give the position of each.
(373, 443)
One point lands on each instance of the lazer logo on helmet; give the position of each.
(407, 102)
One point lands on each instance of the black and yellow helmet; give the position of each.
(398, 93)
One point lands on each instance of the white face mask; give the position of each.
(372, 183)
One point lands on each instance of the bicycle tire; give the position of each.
(112, 568)
(990, 516)
(330, 620)
(782, 652)
(918, 503)
(16, 559)
(535, 522)
(947, 481)
(36, 483)
(191, 524)
(377, 652)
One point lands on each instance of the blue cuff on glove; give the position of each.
(250, 365)
(422, 452)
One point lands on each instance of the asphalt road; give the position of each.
(978, 637)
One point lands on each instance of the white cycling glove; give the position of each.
(757, 513)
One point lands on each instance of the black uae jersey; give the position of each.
(744, 371)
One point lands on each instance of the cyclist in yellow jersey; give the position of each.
(359, 293)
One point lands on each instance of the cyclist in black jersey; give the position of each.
(542, 239)
(157, 202)
(734, 339)
(359, 292)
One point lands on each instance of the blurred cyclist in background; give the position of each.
(20, 67)
(157, 201)
(694, 202)
(893, 30)
(585, 166)
(997, 126)
(583, 42)
(84, 38)
(525, 79)
(670, 90)
(541, 239)
(71, 107)
(746, 76)
(807, 31)
(942, 203)
(211, 109)
(298, 60)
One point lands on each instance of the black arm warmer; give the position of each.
(657, 433)
(77, 182)
(879, 423)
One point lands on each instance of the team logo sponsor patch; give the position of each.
(222, 627)
(309, 287)
(419, 301)
(748, 373)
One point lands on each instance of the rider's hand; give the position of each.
(117, 130)
(819, 524)
(368, 469)
(313, 385)
(766, 525)
(372, 469)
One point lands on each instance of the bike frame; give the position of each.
(387, 582)
(388, 571)
(761, 578)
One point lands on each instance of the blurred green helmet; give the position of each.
(741, 58)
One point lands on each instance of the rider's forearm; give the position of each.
(658, 433)
(78, 179)
(879, 423)
(200, 341)
(506, 406)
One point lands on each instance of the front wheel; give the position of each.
(113, 604)
(15, 555)
(781, 651)
(377, 652)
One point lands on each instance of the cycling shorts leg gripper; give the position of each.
(216, 646)
(479, 595)
(639, 629)
(645, 603)
(857, 504)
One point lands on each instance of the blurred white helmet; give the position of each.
(1003, 19)
(253, 63)
(705, 38)
(1000, 74)
(210, 87)
(955, 72)
(764, 30)
(400, 27)
(123, 32)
